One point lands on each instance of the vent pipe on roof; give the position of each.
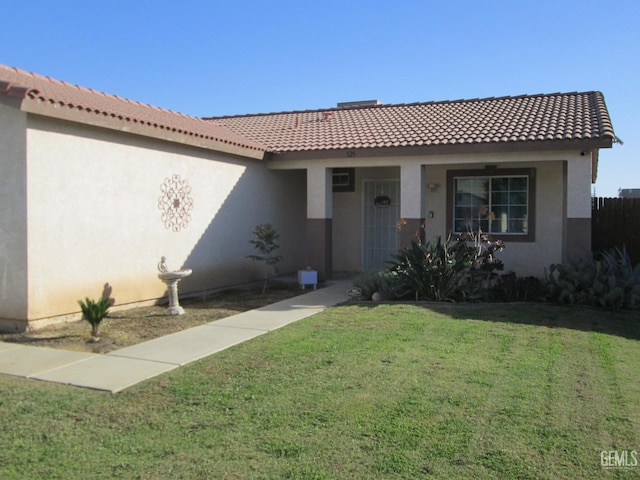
(359, 103)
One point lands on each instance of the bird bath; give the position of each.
(171, 279)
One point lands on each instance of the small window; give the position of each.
(500, 203)
(344, 179)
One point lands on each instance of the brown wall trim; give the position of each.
(578, 242)
(319, 246)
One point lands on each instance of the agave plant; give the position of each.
(94, 312)
(624, 275)
(432, 271)
(620, 263)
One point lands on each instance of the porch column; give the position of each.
(577, 238)
(411, 204)
(319, 220)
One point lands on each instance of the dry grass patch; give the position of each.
(130, 327)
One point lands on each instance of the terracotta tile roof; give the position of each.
(47, 96)
(491, 121)
(527, 118)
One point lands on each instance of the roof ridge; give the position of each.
(537, 117)
(396, 105)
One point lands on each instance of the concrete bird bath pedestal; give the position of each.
(171, 279)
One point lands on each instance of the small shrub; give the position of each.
(94, 312)
(482, 278)
(265, 243)
(511, 288)
(483, 250)
(368, 283)
(380, 281)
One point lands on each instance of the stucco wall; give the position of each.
(94, 216)
(13, 221)
(563, 180)
(525, 258)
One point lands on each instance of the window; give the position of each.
(499, 202)
(344, 179)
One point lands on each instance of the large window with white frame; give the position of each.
(499, 202)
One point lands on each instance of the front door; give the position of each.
(380, 217)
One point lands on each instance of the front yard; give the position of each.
(375, 391)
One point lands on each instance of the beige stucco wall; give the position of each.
(553, 203)
(94, 218)
(13, 221)
(525, 258)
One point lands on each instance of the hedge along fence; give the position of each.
(615, 222)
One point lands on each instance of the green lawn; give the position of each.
(362, 392)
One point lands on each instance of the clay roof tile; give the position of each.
(526, 118)
(73, 100)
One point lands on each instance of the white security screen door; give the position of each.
(380, 217)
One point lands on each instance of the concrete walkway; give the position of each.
(123, 368)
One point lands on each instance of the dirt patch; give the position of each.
(130, 327)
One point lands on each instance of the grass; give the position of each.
(358, 391)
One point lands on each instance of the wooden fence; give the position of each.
(616, 222)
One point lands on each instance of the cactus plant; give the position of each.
(610, 281)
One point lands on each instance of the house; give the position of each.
(96, 188)
(629, 193)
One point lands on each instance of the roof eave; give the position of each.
(132, 126)
(451, 149)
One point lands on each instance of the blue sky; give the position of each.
(207, 58)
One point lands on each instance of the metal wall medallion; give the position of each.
(175, 202)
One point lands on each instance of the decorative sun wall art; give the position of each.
(175, 202)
